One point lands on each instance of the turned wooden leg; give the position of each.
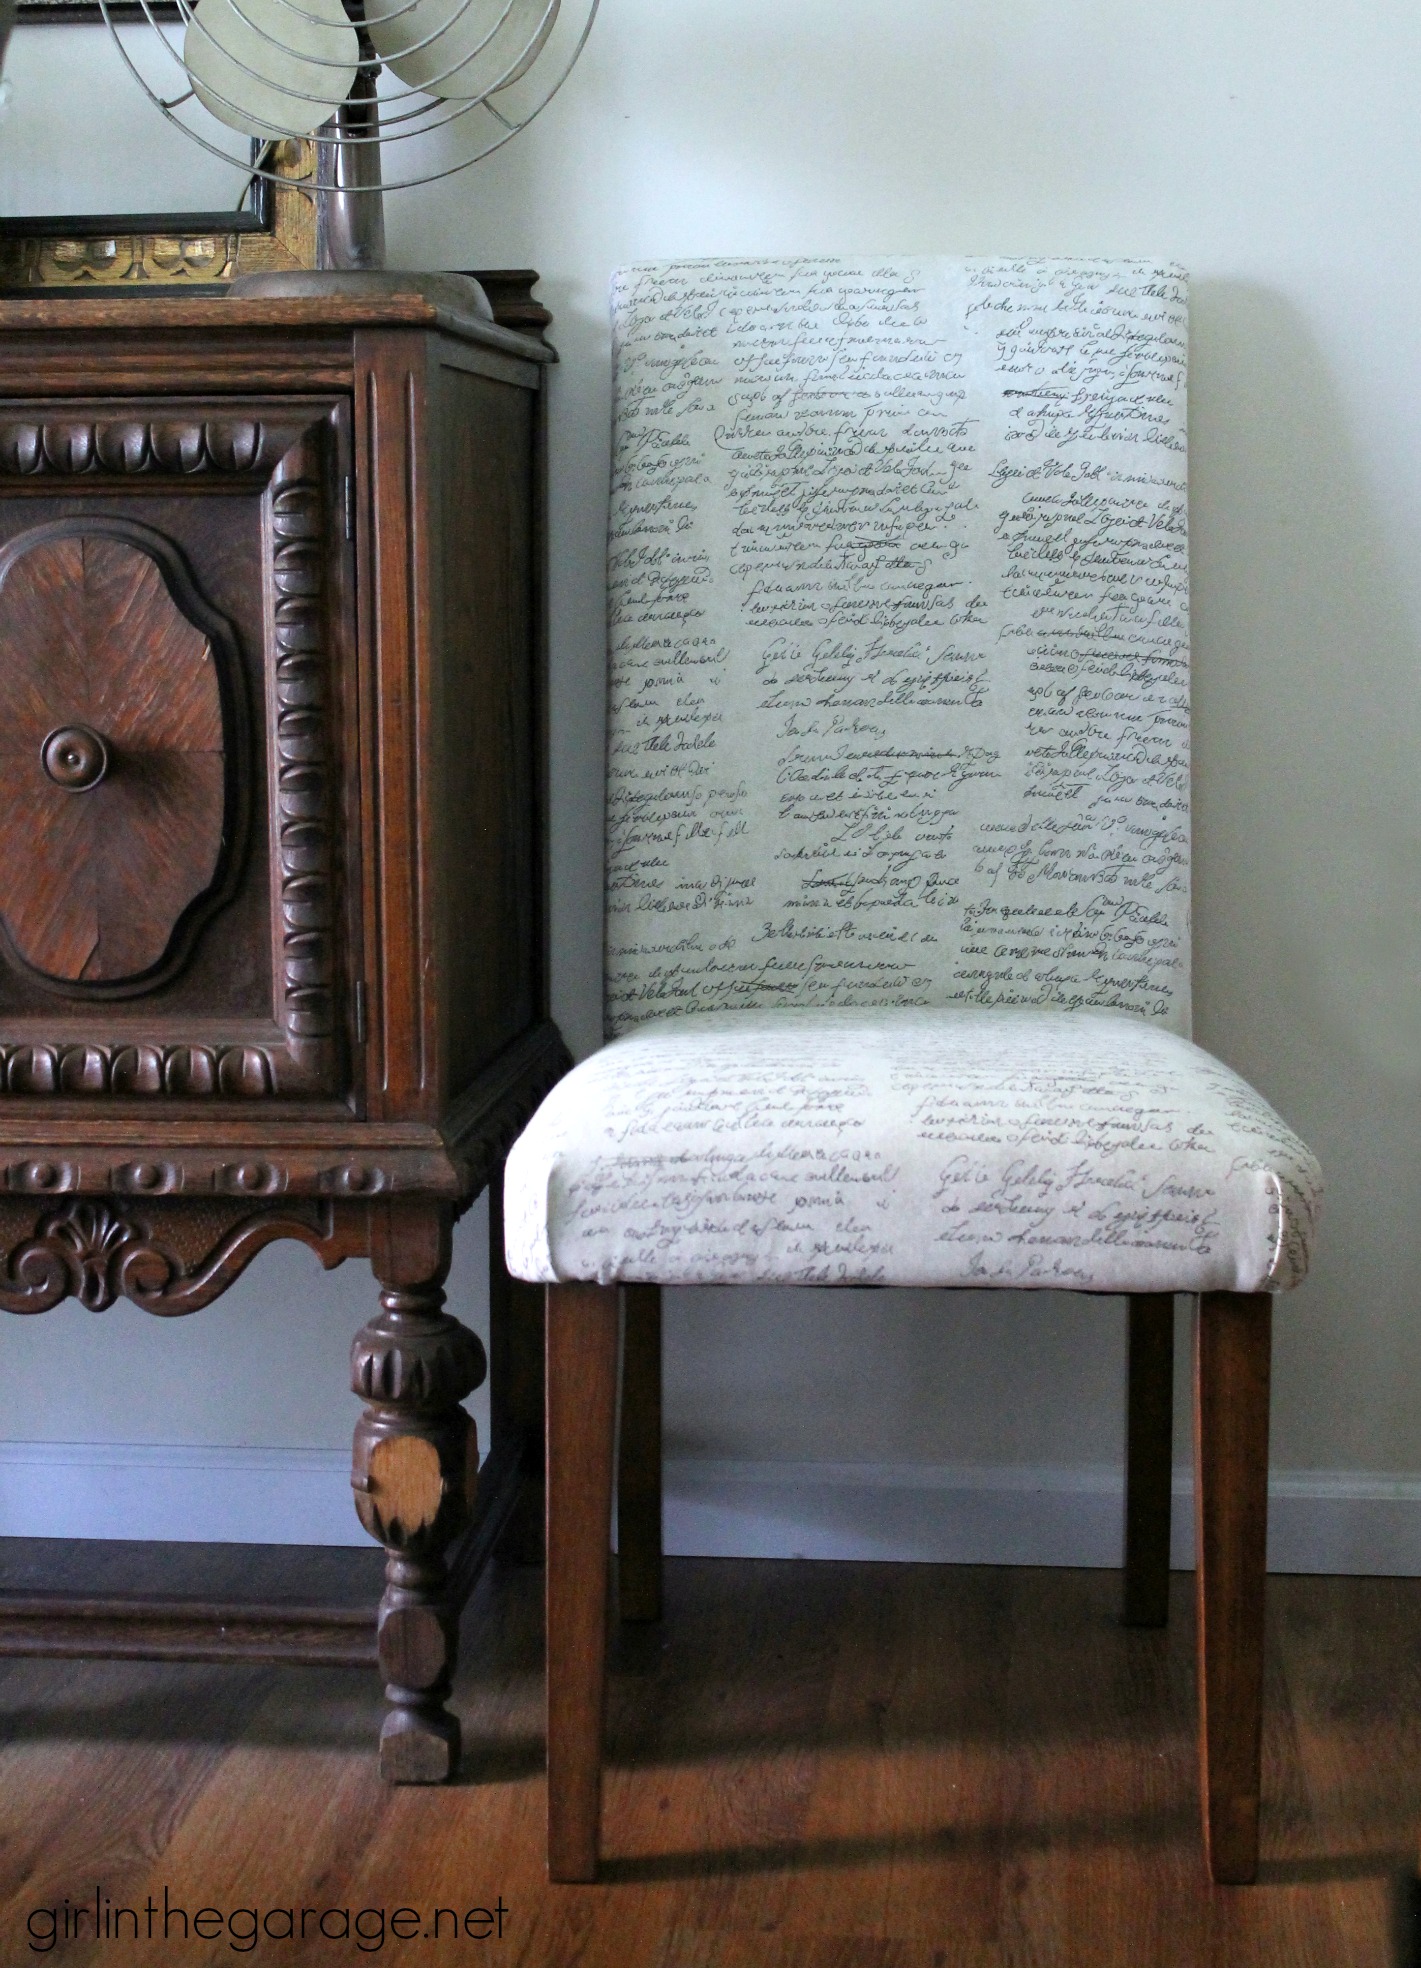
(515, 1324)
(414, 1472)
(1231, 1362)
(1149, 1455)
(639, 1458)
(582, 1399)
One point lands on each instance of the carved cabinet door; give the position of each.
(176, 719)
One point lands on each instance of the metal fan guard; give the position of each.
(341, 168)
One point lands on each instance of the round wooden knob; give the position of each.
(75, 757)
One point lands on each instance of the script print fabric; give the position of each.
(898, 637)
(1091, 1151)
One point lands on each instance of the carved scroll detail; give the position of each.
(96, 1251)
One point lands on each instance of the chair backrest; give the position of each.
(899, 697)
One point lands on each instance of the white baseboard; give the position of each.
(1007, 1514)
(154, 1490)
(1004, 1514)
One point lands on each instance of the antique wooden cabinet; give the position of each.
(271, 849)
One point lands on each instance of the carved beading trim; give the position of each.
(186, 1071)
(76, 446)
(96, 1251)
(300, 715)
(193, 1173)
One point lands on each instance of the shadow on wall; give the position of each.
(1307, 850)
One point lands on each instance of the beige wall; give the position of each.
(1276, 151)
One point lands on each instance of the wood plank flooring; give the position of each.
(812, 1766)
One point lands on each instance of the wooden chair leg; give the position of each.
(1149, 1446)
(1231, 1364)
(639, 1458)
(581, 1418)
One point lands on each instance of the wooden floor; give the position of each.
(813, 1766)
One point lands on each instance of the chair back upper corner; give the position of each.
(899, 644)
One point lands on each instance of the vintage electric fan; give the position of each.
(437, 83)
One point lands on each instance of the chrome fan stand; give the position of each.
(350, 203)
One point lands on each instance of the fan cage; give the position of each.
(428, 114)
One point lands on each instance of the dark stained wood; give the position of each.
(310, 649)
(639, 1457)
(1149, 1458)
(243, 346)
(289, 978)
(582, 1322)
(106, 837)
(415, 1476)
(171, 1258)
(1231, 1479)
(392, 533)
(1231, 1366)
(57, 362)
(193, 1630)
(252, 1012)
(212, 1147)
(485, 716)
(89, 314)
(510, 295)
(110, 314)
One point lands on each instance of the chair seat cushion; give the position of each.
(1085, 1151)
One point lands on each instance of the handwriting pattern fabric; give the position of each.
(1082, 1151)
(898, 637)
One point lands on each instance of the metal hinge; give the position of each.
(349, 506)
(360, 1011)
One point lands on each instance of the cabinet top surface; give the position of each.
(222, 314)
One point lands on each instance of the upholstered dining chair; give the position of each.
(898, 901)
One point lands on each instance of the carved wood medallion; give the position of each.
(114, 781)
